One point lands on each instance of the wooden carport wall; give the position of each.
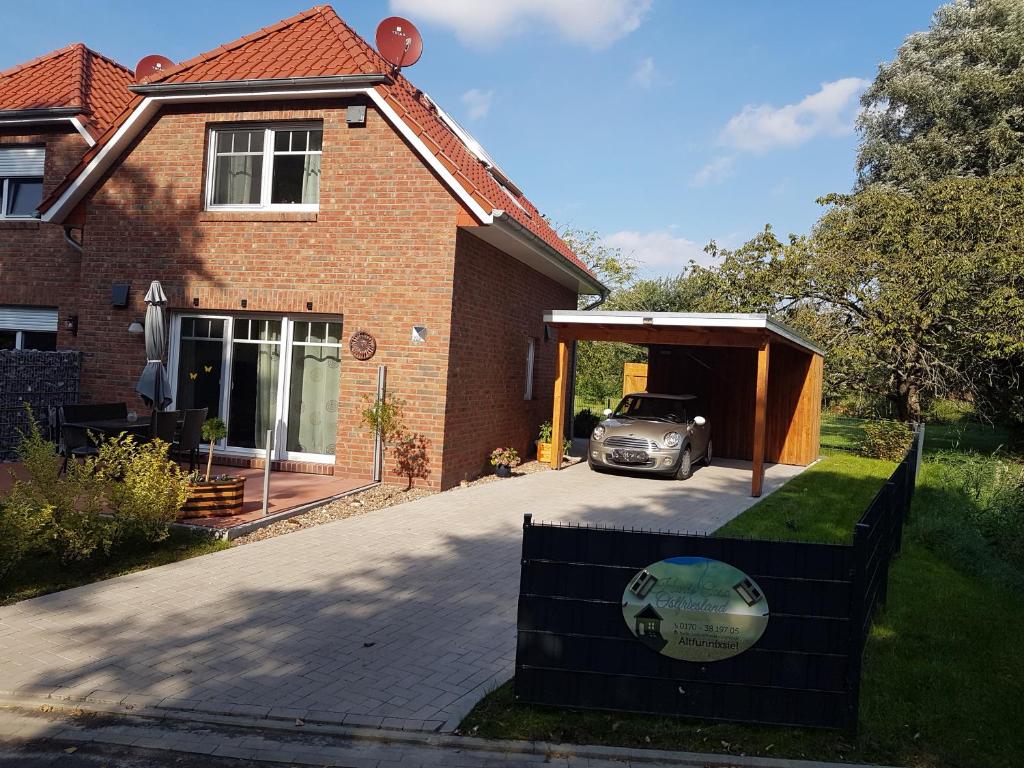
(802, 438)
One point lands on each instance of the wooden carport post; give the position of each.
(760, 418)
(558, 408)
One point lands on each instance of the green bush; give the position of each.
(69, 505)
(885, 439)
(584, 423)
(19, 525)
(145, 490)
(949, 412)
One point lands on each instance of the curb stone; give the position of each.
(405, 742)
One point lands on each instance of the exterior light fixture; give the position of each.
(71, 324)
(136, 327)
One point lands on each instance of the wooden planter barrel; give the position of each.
(216, 498)
(543, 452)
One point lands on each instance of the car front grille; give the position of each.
(636, 443)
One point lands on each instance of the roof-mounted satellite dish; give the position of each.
(399, 42)
(153, 65)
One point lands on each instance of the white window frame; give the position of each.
(267, 178)
(5, 181)
(279, 451)
(531, 358)
(4, 184)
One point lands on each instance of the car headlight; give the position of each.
(598, 433)
(673, 439)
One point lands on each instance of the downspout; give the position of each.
(71, 241)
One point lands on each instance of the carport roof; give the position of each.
(696, 320)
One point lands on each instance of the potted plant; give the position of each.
(544, 443)
(504, 461)
(220, 495)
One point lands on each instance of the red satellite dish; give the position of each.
(152, 65)
(399, 42)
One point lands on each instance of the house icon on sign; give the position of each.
(648, 623)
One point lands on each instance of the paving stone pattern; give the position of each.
(402, 618)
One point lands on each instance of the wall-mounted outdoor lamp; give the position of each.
(71, 324)
(136, 327)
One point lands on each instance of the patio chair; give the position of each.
(191, 435)
(76, 443)
(165, 424)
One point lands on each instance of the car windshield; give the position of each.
(659, 408)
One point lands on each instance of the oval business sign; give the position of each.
(695, 609)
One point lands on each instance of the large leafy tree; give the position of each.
(952, 101)
(921, 294)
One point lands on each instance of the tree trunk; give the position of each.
(209, 462)
(908, 400)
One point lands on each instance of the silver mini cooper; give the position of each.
(658, 434)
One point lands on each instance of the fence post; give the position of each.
(266, 472)
(858, 617)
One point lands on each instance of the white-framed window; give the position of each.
(21, 181)
(265, 167)
(259, 373)
(531, 355)
(28, 328)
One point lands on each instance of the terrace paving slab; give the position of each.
(401, 618)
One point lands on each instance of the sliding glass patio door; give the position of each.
(262, 373)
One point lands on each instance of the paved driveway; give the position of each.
(399, 618)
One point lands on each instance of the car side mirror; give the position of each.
(700, 421)
(607, 412)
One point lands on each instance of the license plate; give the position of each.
(629, 457)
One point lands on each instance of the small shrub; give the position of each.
(214, 429)
(68, 505)
(508, 457)
(885, 439)
(949, 412)
(544, 433)
(585, 422)
(20, 523)
(145, 490)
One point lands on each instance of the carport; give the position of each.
(759, 380)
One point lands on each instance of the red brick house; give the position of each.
(290, 190)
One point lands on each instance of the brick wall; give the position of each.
(380, 251)
(497, 303)
(37, 268)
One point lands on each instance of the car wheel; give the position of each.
(685, 466)
(707, 455)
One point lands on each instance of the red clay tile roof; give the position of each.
(318, 43)
(74, 76)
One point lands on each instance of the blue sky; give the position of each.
(661, 124)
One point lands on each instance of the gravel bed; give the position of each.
(375, 498)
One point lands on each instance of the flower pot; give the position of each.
(543, 452)
(217, 498)
(503, 470)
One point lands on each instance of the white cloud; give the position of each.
(831, 111)
(477, 103)
(643, 75)
(479, 23)
(659, 251)
(715, 172)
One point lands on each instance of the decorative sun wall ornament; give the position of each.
(362, 345)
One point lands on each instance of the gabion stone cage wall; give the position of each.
(40, 379)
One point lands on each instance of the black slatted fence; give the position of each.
(576, 650)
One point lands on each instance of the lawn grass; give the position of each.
(820, 504)
(843, 433)
(41, 574)
(941, 681)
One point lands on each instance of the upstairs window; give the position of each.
(265, 167)
(21, 181)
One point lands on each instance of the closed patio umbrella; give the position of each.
(154, 385)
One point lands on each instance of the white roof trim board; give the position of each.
(680, 320)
